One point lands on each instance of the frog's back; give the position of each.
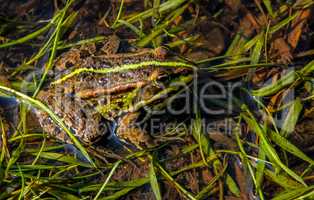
(74, 100)
(87, 100)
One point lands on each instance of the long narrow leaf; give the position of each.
(268, 148)
(289, 147)
(39, 105)
(154, 181)
(115, 166)
(292, 118)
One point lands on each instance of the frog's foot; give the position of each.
(129, 131)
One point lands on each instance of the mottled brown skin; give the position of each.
(82, 101)
(87, 124)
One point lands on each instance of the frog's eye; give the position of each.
(123, 75)
(103, 81)
(69, 65)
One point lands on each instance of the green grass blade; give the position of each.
(268, 148)
(119, 14)
(232, 186)
(4, 143)
(21, 196)
(15, 156)
(164, 7)
(115, 185)
(309, 195)
(250, 43)
(39, 105)
(283, 23)
(29, 36)
(118, 194)
(281, 179)
(154, 181)
(134, 184)
(285, 81)
(292, 118)
(39, 152)
(293, 194)
(232, 49)
(160, 28)
(277, 86)
(260, 167)
(65, 25)
(54, 47)
(256, 54)
(132, 28)
(62, 195)
(177, 185)
(115, 166)
(202, 140)
(247, 166)
(269, 8)
(205, 192)
(38, 167)
(289, 147)
(62, 158)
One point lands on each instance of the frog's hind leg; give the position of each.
(129, 131)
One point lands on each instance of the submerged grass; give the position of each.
(154, 181)
(39, 105)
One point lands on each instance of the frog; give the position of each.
(97, 85)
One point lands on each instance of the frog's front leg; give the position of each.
(128, 130)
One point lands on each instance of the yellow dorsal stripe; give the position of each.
(122, 68)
